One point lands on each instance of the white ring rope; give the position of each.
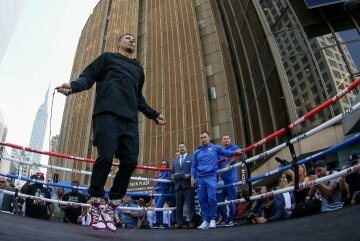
(29, 163)
(298, 138)
(74, 204)
(303, 185)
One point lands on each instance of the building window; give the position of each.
(302, 87)
(296, 67)
(333, 63)
(295, 92)
(341, 87)
(329, 53)
(329, 88)
(212, 93)
(306, 96)
(292, 83)
(299, 76)
(336, 74)
(326, 76)
(341, 67)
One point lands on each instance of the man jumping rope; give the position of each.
(119, 82)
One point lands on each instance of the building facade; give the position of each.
(221, 66)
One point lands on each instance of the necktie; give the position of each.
(181, 160)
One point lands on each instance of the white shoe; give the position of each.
(107, 215)
(212, 224)
(204, 225)
(97, 222)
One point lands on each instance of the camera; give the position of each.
(282, 162)
(251, 217)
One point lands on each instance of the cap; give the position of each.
(320, 163)
(40, 174)
(354, 156)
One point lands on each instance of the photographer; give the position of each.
(330, 190)
(350, 185)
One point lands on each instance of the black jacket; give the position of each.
(119, 82)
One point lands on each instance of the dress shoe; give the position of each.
(191, 225)
(177, 226)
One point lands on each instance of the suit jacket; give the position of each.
(185, 169)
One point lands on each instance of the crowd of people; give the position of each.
(119, 81)
(195, 175)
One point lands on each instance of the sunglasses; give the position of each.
(163, 164)
(2, 181)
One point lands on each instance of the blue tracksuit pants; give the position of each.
(206, 191)
(230, 194)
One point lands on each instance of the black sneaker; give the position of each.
(227, 224)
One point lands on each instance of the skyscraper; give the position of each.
(3, 128)
(39, 129)
(3, 132)
(209, 65)
(9, 15)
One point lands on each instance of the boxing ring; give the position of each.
(289, 229)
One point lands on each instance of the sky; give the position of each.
(40, 54)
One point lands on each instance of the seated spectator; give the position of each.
(288, 196)
(126, 218)
(290, 177)
(150, 214)
(59, 213)
(330, 190)
(350, 184)
(37, 208)
(74, 213)
(50, 190)
(273, 209)
(167, 216)
(141, 203)
(258, 203)
(8, 202)
(301, 194)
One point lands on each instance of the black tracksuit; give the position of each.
(119, 82)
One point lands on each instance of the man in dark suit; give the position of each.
(183, 191)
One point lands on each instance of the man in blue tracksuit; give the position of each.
(203, 175)
(228, 178)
